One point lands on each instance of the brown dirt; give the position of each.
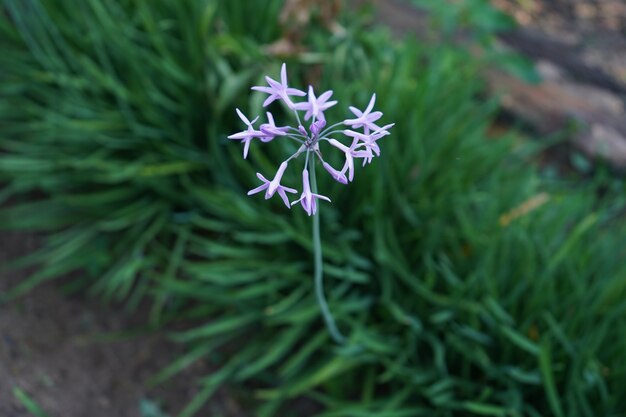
(561, 15)
(51, 347)
(595, 29)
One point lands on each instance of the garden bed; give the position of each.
(456, 249)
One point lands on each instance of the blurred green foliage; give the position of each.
(113, 130)
(480, 22)
(479, 17)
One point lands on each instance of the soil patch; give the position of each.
(52, 347)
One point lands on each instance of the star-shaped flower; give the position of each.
(279, 90)
(364, 118)
(272, 187)
(246, 136)
(315, 106)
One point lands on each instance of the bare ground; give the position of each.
(52, 348)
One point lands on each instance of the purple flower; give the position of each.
(362, 137)
(337, 175)
(307, 199)
(279, 90)
(364, 145)
(364, 118)
(348, 152)
(317, 127)
(271, 130)
(315, 106)
(368, 141)
(367, 137)
(366, 154)
(246, 136)
(274, 186)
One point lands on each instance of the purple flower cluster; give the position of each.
(362, 144)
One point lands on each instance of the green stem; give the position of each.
(319, 272)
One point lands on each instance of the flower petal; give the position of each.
(325, 96)
(269, 100)
(295, 92)
(357, 112)
(283, 196)
(243, 117)
(263, 89)
(246, 147)
(370, 106)
(321, 197)
(283, 74)
(258, 189)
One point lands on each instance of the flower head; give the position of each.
(363, 136)
(279, 90)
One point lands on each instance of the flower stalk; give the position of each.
(362, 145)
(319, 275)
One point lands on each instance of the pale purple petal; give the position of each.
(339, 145)
(349, 167)
(283, 196)
(243, 117)
(246, 147)
(325, 96)
(270, 100)
(321, 197)
(295, 92)
(275, 85)
(283, 74)
(302, 106)
(372, 117)
(311, 207)
(337, 175)
(357, 112)
(262, 89)
(241, 135)
(327, 105)
(370, 106)
(258, 189)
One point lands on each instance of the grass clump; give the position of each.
(465, 281)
